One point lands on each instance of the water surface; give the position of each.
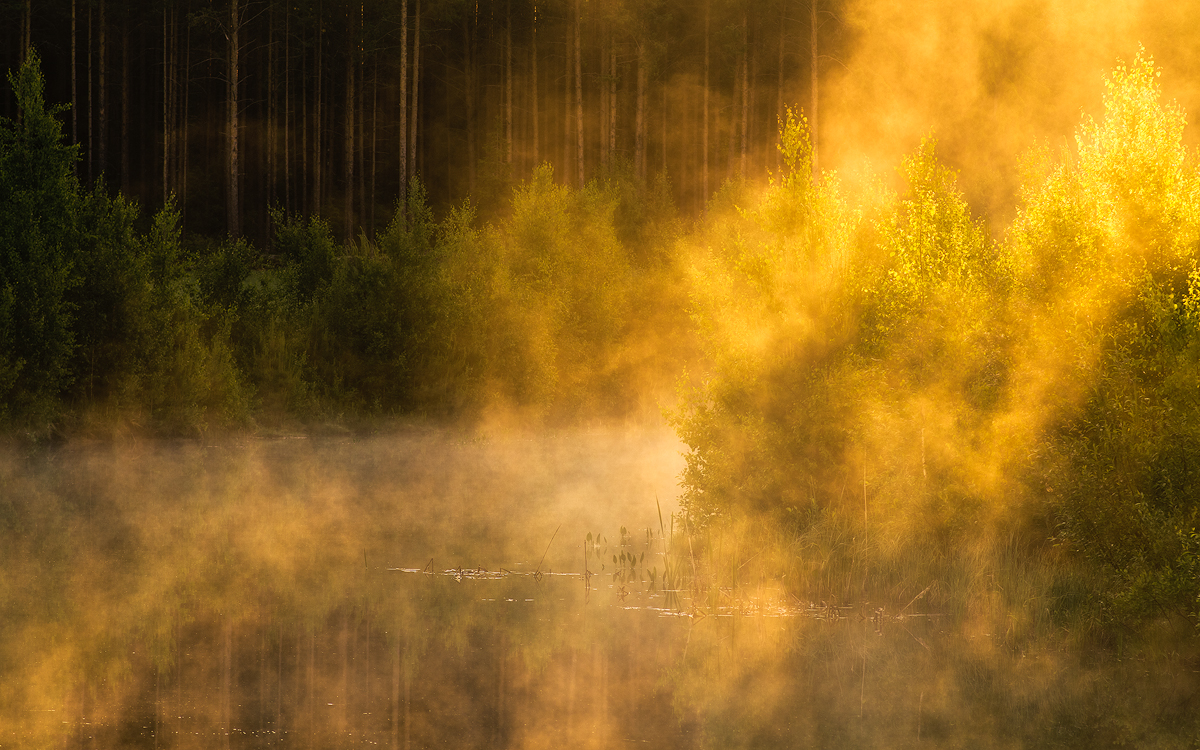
(430, 589)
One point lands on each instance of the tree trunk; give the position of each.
(287, 111)
(579, 175)
(566, 165)
(91, 102)
(751, 120)
(813, 116)
(74, 88)
(304, 196)
(613, 109)
(349, 124)
(125, 110)
(167, 110)
(403, 170)
(704, 181)
(745, 97)
(316, 139)
(779, 90)
(469, 95)
(374, 133)
(664, 129)
(272, 117)
(360, 139)
(605, 101)
(414, 112)
(232, 205)
(640, 118)
(182, 148)
(102, 146)
(534, 89)
(508, 86)
(734, 117)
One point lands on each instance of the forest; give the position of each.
(270, 217)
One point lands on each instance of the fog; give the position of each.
(578, 374)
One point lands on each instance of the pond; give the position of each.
(436, 589)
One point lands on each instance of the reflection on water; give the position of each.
(424, 590)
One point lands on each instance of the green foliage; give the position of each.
(1043, 387)
(773, 308)
(936, 253)
(1108, 248)
(38, 249)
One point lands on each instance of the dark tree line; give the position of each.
(318, 106)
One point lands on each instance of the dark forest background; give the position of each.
(339, 104)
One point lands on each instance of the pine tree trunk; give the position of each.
(469, 95)
(508, 86)
(74, 88)
(272, 123)
(167, 110)
(605, 102)
(664, 129)
(403, 171)
(304, 196)
(813, 117)
(534, 89)
(566, 165)
(734, 117)
(745, 97)
(779, 90)
(613, 109)
(125, 111)
(182, 178)
(640, 118)
(349, 124)
(374, 133)
(751, 133)
(91, 102)
(287, 111)
(232, 205)
(704, 181)
(316, 139)
(414, 111)
(360, 139)
(102, 146)
(579, 175)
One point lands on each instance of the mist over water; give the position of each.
(427, 589)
